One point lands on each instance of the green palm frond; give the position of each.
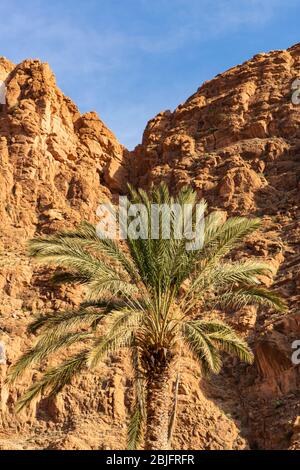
(225, 339)
(47, 345)
(183, 260)
(219, 238)
(248, 295)
(112, 285)
(69, 253)
(187, 196)
(108, 304)
(120, 327)
(86, 235)
(86, 268)
(245, 272)
(162, 257)
(109, 345)
(213, 222)
(223, 277)
(229, 274)
(227, 236)
(54, 380)
(62, 322)
(202, 347)
(142, 249)
(207, 338)
(134, 430)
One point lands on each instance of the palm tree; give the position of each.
(152, 297)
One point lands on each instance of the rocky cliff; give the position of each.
(237, 141)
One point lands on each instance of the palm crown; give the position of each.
(151, 296)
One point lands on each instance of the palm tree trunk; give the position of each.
(158, 410)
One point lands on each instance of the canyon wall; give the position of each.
(237, 142)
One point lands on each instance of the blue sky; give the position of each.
(130, 59)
